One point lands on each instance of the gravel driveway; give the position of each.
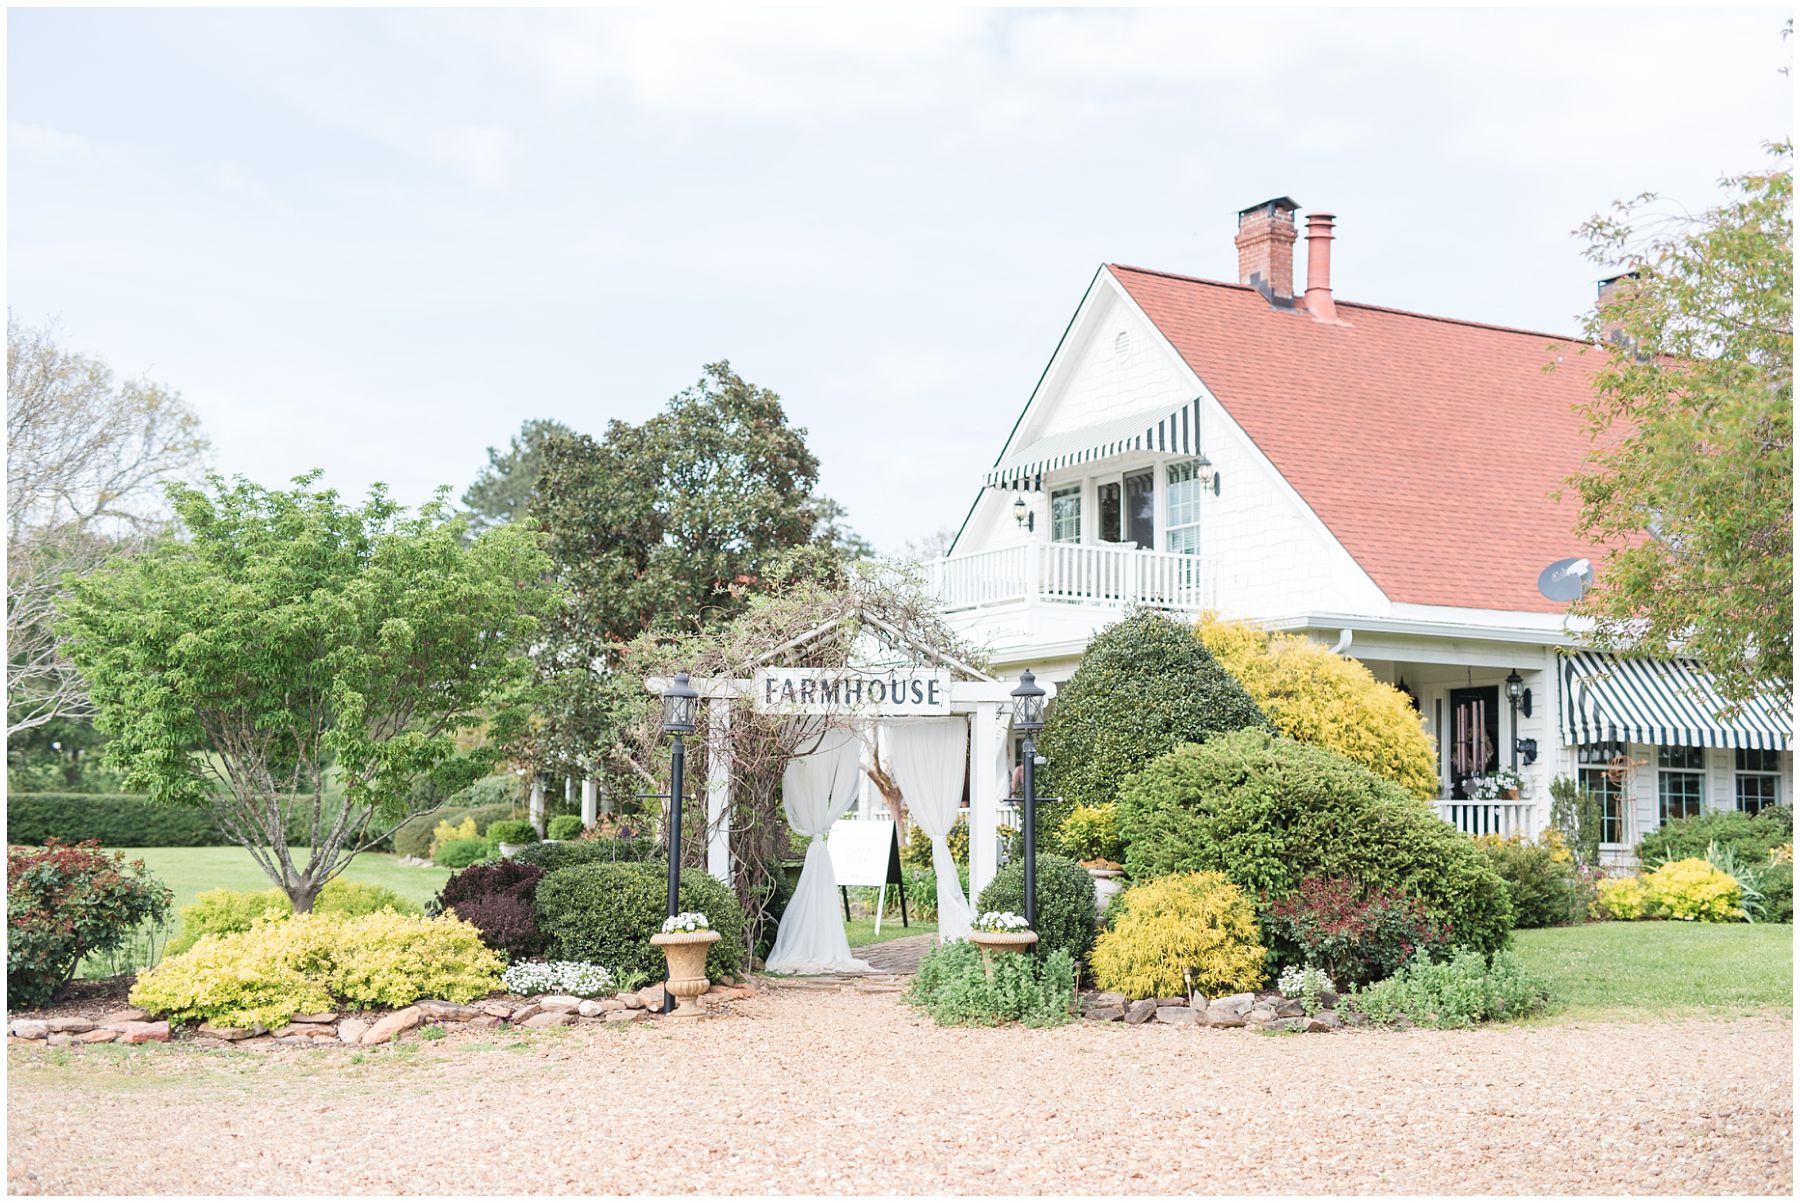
(803, 1092)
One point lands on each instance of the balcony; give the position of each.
(1074, 574)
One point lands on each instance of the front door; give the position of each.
(1474, 736)
(1140, 509)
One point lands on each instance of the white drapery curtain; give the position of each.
(815, 791)
(927, 758)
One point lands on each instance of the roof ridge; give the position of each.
(1428, 317)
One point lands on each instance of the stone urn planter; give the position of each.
(991, 942)
(511, 850)
(686, 953)
(1107, 882)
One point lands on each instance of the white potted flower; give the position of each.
(1000, 931)
(1506, 783)
(685, 940)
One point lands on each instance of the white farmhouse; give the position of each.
(1380, 480)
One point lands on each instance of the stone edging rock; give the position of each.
(1261, 1010)
(132, 1025)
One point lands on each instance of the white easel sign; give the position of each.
(865, 852)
(901, 692)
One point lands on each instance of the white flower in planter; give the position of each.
(686, 921)
(1000, 922)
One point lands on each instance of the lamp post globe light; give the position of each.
(1028, 720)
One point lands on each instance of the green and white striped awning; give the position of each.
(1171, 429)
(1669, 702)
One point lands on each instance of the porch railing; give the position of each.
(1501, 818)
(1074, 573)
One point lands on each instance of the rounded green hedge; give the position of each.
(1066, 915)
(1145, 685)
(1269, 813)
(606, 914)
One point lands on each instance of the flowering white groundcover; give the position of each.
(579, 978)
(1309, 982)
(1000, 921)
(686, 921)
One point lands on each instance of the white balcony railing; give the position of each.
(1076, 574)
(1502, 818)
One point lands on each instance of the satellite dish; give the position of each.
(1566, 580)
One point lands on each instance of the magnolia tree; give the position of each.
(815, 610)
(287, 642)
(1691, 485)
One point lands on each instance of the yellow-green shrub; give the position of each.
(320, 962)
(1621, 898)
(1198, 922)
(221, 912)
(1694, 890)
(1092, 833)
(1326, 700)
(446, 831)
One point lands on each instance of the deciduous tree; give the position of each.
(286, 635)
(85, 454)
(1690, 487)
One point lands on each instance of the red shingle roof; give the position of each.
(1428, 446)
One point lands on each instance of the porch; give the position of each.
(1503, 817)
(1106, 575)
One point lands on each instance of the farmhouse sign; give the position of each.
(911, 691)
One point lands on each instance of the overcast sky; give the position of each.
(375, 242)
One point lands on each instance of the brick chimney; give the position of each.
(1318, 267)
(1265, 244)
(1612, 289)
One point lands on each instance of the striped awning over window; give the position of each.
(1175, 430)
(1669, 702)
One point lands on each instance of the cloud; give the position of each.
(481, 154)
(44, 141)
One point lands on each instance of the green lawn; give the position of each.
(862, 931)
(188, 871)
(1614, 969)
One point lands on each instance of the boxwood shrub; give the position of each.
(511, 831)
(1269, 813)
(413, 837)
(606, 913)
(1749, 837)
(563, 854)
(565, 827)
(1146, 685)
(1066, 915)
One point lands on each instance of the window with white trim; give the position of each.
(1680, 781)
(1758, 779)
(1595, 772)
(1182, 525)
(1065, 515)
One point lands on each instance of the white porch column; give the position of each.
(590, 803)
(537, 807)
(987, 787)
(718, 789)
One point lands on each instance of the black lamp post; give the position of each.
(1515, 694)
(1028, 720)
(679, 704)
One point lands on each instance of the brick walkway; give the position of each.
(896, 956)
